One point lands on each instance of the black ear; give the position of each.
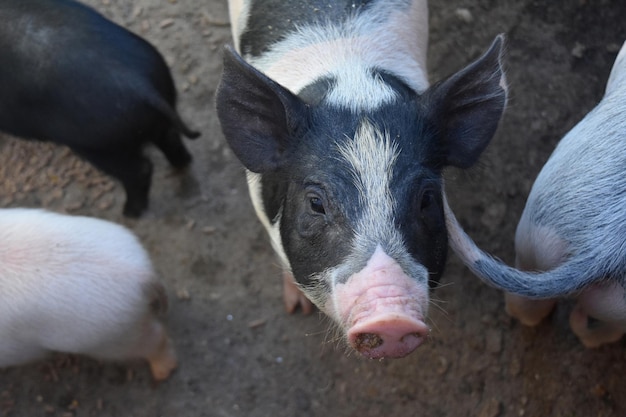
(258, 116)
(466, 107)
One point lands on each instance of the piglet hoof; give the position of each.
(528, 312)
(163, 362)
(593, 333)
(294, 297)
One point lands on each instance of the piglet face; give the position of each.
(347, 192)
(362, 225)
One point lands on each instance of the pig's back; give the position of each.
(60, 275)
(580, 193)
(65, 59)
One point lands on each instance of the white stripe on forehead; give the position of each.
(388, 37)
(371, 156)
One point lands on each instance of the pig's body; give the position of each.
(573, 226)
(78, 285)
(72, 77)
(331, 112)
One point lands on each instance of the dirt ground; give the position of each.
(240, 354)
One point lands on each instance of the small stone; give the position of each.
(578, 50)
(256, 323)
(490, 409)
(136, 12)
(493, 215)
(183, 295)
(208, 230)
(464, 14)
(166, 23)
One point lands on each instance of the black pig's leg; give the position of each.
(132, 169)
(170, 143)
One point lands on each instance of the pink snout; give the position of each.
(391, 336)
(382, 308)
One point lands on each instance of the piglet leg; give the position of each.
(158, 351)
(528, 312)
(593, 333)
(599, 316)
(293, 296)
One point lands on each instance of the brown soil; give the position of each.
(240, 354)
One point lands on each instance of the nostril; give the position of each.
(414, 335)
(367, 341)
(412, 339)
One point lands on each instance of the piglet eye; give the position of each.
(427, 199)
(317, 206)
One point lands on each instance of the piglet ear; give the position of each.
(258, 116)
(466, 107)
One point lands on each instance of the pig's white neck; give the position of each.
(396, 44)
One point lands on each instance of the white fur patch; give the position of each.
(372, 156)
(386, 37)
(273, 230)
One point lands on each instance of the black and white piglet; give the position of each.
(328, 106)
(78, 285)
(573, 227)
(70, 76)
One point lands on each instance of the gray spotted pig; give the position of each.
(573, 227)
(78, 285)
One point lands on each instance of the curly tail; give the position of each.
(164, 107)
(571, 276)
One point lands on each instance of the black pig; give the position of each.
(72, 77)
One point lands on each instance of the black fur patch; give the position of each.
(270, 21)
(316, 162)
